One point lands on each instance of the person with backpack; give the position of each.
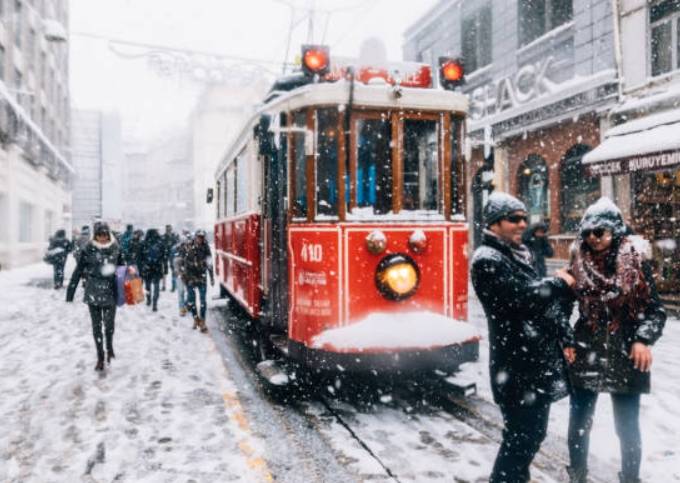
(133, 254)
(152, 265)
(170, 239)
(98, 260)
(197, 261)
(56, 255)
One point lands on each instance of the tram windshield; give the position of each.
(390, 161)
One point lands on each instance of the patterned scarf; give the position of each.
(615, 299)
(519, 252)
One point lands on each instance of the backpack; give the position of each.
(154, 254)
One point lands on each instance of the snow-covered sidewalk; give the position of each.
(165, 410)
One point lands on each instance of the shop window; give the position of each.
(537, 17)
(476, 38)
(327, 162)
(664, 23)
(374, 164)
(577, 189)
(657, 218)
(421, 165)
(532, 180)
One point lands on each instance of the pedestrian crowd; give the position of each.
(536, 357)
(186, 258)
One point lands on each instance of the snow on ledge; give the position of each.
(388, 331)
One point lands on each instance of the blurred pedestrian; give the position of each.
(170, 239)
(620, 317)
(153, 264)
(82, 240)
(57, 253)
(133, 254)
(126, 238)
(527, 333)
(535, 238)
(98, 260)
(196, 264)
(178, 254)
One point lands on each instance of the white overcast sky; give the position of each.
(255, 29)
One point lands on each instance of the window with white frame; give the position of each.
(537, 17)
(664, 36)
(25, 222)
(476, 38)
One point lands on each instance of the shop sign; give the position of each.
(529, 82)
(648, 162)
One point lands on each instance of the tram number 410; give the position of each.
(311, 252)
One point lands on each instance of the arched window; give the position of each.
(532, 180)
(577, 189)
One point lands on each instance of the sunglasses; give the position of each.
(516, 218)
(597, 233)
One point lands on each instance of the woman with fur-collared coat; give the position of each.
(97, 262)
(620, 317)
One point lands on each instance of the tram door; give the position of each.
(273, 150)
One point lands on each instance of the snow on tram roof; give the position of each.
(376, 96)
(379, 95)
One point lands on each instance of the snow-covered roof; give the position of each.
(651, 134)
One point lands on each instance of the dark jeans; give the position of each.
(626, 420)
(151, 285)
(58, 274)
(524, 430)
(107, 315)
(191, 299)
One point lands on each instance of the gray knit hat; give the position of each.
(603, 214)
(500, 205)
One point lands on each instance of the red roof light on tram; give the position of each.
(315, 60)
(451, 72)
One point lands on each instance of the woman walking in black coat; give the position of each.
(620, 317)
(98, 261)
(152, 265)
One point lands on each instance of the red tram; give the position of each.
(340, 218)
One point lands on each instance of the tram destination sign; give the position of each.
(647, 162)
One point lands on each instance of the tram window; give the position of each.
(300, 166)
(374, 164)
(241, 183)
(327, 162)
(421, 166)
(231, 191)
(225, 194)
(219, 199)
(456, 165)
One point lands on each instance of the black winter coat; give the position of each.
(196, 262)
(58, 250)
(527, 326)
(133, 254)
(153, 258)
(540, 248)
(602, 363)
(97, 262)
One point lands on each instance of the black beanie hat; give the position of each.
(603, 214)
(500, 205)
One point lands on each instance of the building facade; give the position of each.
(541, 77)
(96, 152)
(639, 158)
(35, 174)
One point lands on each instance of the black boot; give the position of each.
(110, 355)
(100, 363)
(155, 308)
(148, 299)
(579, 475)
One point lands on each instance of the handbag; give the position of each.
(134, 290)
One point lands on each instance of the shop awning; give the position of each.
(647, 144)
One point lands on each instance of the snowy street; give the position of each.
(177, 405)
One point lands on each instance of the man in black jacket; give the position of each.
(57, 252)
(527, 333)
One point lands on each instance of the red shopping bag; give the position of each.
(134, 291)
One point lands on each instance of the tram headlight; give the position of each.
(397, 277)
(451, 72)
(315, 60)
